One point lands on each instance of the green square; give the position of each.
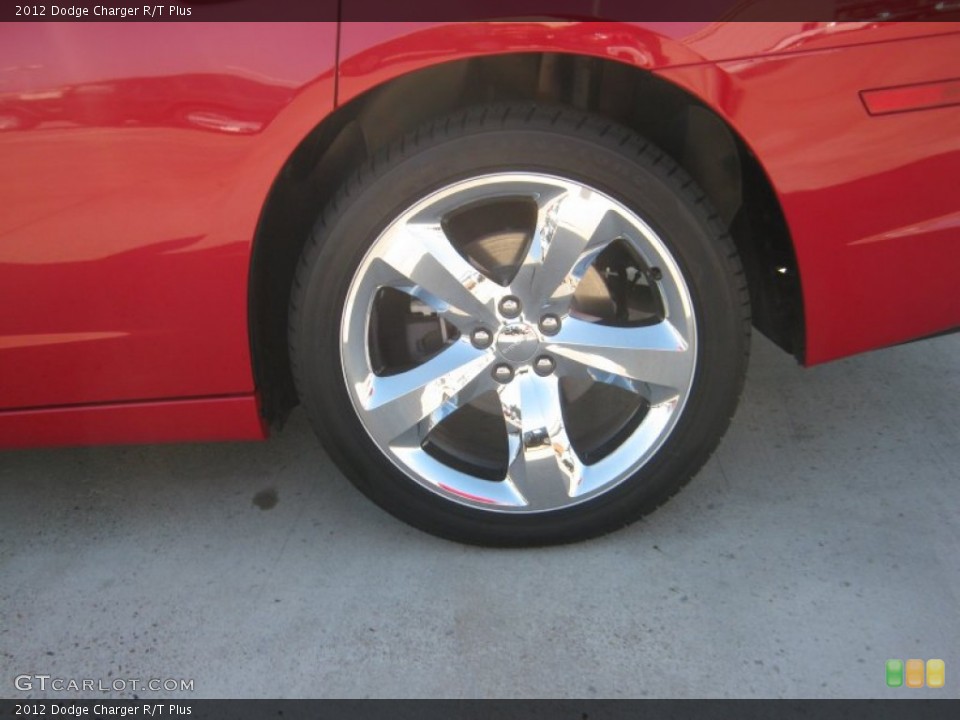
(894, 673)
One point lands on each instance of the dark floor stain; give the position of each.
(266, 499)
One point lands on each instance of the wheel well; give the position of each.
(684, 127)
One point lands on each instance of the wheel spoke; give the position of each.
(408, 405)
(655, 355)
(543, 466)
(420, 260)
(572, 229)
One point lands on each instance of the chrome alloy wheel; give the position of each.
(556, 348)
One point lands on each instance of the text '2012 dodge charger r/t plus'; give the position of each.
(509, 269)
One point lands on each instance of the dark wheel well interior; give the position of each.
(688, 130)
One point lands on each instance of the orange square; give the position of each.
(915, 673)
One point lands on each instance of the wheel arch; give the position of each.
(703, 142)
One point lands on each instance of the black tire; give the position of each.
(568, 144)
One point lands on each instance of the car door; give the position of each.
(135, 160)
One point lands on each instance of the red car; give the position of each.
(509, 269)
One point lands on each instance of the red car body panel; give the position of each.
(130, 208)
(201, 419)
(871, 202)
(136, 160)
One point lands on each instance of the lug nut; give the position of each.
(549, 324)
(503, 373)
(510, 307)
(481, 338)
(544, 365)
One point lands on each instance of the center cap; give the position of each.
(518, 342)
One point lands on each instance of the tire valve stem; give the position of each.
(655, 273)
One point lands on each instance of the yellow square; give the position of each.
(936, 671)
(915, 673)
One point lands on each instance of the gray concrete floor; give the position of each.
(821, 540)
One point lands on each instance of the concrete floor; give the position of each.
(821, 540)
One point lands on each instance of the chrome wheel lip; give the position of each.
(467, 368)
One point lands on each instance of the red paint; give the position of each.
(135, 160)
(373, 53)
(130, 191)
(871, 202)
(203, 419)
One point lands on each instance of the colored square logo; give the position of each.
(894, 673)
(914, 673)
(935, 673)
